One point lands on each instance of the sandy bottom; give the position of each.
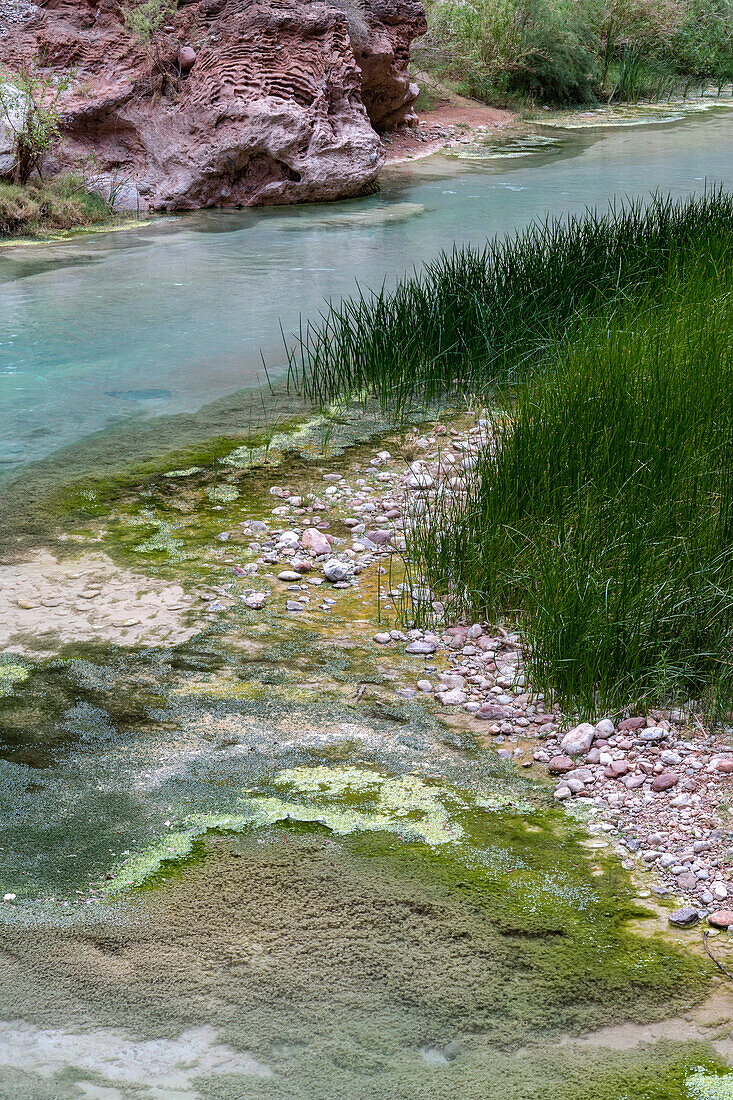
(45, 602)
(168, 1067)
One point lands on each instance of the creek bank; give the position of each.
(654, 782)
(457, 122)
(656, 785)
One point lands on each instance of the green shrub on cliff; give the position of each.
(144, 18)
(30, 108)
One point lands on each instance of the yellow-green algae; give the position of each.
(708, 1086)
(11, 673)
(345, 799)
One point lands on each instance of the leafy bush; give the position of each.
(702, 44)
(144, 18)
(565, 51)
(38, 127)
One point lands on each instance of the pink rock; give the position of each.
(725, 766)
(222, 141)
(632, 724)
(380, 537)
(721, 918)
(616, 769)
(578, 740)
(493, 713)
(665, 781)
(187, 58)
(560, 764)
(314, 540)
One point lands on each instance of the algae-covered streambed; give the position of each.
(240, 854)
(245, 865)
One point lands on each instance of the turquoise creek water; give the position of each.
(166, 318)
(241, 856)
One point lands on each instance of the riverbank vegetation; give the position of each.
(49, 206)
(509, 52)
(600, 517)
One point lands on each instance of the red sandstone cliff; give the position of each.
(237, 102)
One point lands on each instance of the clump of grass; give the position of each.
(49, 205)
(601, 517)
(478, 318)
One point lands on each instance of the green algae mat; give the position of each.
(235, 874)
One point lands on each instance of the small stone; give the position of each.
(721, 918)
(424, 685)
(616, 769)
(725, 766)
(559, 765)
(719, 891)
(335, 570)
(290, 539)
(452, 698)
(683, 918)
(419, 481)
(293, 605)
(314, 540)
(9, 897)
(382, 638)
(421, 646)
(665, 781)
(653, 733)
(187, 58)
(380, 537)
(288, 575)
(562, 792)
(633, 724)
(605, 728)
(492, 713)
(255, 600)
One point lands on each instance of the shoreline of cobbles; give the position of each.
(655, 784)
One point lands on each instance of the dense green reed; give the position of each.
(601, 517)
(481, 317)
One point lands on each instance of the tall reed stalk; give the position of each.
(479, 318)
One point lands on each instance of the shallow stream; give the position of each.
(244, 859)
(166, 318)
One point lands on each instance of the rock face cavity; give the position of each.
(234, 103)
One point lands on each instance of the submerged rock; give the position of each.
(335, 570)
(683, 918)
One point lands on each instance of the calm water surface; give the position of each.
(166, 318)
